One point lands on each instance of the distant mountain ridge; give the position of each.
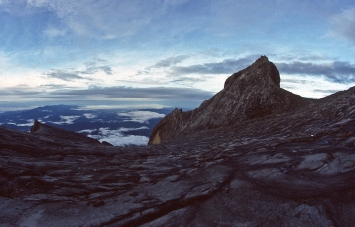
(250, 93)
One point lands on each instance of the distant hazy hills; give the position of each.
(118, 126)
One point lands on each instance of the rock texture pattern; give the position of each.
(250, 93)
(284, 168)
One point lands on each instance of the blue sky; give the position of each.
(167, 52)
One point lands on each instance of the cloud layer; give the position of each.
(227, 66)
(117, 138)
(340, 72)
(141, 116)
(72, 74)
(159, 93)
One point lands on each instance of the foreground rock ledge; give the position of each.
(288, 168)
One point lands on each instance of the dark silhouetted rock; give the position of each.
(106, 143)
(35, 127)
(51, 133)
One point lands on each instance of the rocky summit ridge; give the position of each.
(289, 162)
(250, 93)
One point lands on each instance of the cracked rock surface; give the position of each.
(288, 168)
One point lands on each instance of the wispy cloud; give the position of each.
(169, 61)
(93, 69)
(343, 25)
(21, 90)
(102, 19)
(141, 116)
(89, 115)
(340, 72)
(64, 75)
(225, 67)
(123, 106)
(325, 91)
(74, 74)
(65, 120)
(178, 70)
(53, 32)
(142, 93)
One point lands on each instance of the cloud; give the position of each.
(325, 91)
(53, 32)
(227, 66)
(29, 123)
(339, 72)
(94, 69)
(123, 106)
(90, 116)
(164, 93)
(185, 79)
(343, 25)
(132, 129)
(169, 61)
(117, 138)
(104, 19)
(20, 90)
(70, 74)
(88, 131)
(64, 75)
(65, 120)
(141, 116)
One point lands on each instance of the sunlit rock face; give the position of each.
(293, 165)
(250, 93)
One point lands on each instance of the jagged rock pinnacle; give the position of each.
(250, 93)
(36, 125)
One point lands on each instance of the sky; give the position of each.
(156, 53)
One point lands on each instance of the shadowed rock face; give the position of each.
(250, 93)
(285, 168)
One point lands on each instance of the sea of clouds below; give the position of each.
(116, 136)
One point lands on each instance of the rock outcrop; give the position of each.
(51, 133)
(250, 93)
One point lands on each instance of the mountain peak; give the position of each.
(250, 93)
(262, 60)
(262, 68)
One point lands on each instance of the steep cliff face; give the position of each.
(250, 93)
